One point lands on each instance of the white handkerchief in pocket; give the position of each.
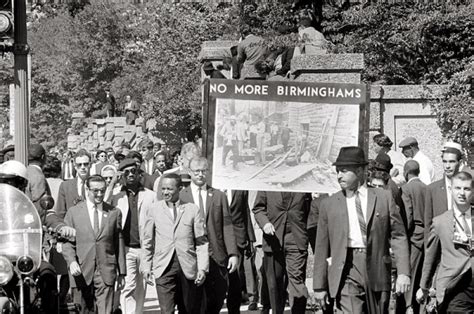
(329, 260)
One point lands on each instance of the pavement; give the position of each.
(152, 306)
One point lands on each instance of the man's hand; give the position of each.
(67, 232)
(321, 298)
(403, 284)
(120, 282)
(201, 276)
(249, 250)
(269, 229)
(148, 278)
(75, 269)
(421, 295)
(233, 264)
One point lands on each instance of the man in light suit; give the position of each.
(356, 228)
(451, 237)
(283, 217)
(413, 196)
(438, 194)
(220, 232)
(70, 193)
(133, 201)
(175, 249)
(97, 256)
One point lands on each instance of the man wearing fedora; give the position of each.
(357, 227)
(411, 150)
(439, 194)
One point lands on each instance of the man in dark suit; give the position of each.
(245, 237)
(70, 193)
(222, 245)
(97, 256)
(37, 184)
(356, 228)
(438, 194)
(451, 238)
(413, 196)
(283, 218)
(160, 168)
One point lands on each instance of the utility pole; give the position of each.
(22, 106)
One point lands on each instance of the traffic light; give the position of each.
(6, 24)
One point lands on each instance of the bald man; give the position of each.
(413, 196)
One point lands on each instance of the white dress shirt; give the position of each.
(195, 191)
(426, 168)
(449, 192)
(90, 209)
(398, 161)
(459, 216)
(355, 235)
(171, 210)
(79, 186)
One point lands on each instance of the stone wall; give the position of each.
(398, 111)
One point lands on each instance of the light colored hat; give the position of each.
(452, 147)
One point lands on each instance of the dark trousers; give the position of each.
(236, 287)
(96, 297)
(416, 265)
(235, 153)
(215, 288)
(284, 269)
(173, 288)
(460, 299)
(355, 295)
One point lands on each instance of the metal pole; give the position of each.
(20, 51)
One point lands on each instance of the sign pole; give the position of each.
(20, 51)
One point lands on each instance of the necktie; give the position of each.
(465, 226)
(175, 213)
(360, 217)
(96, 221)
(83, 190)
(201, 203)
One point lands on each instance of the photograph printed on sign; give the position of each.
(280, 146)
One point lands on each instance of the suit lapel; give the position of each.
(187, 195)
(180, 212)
(105, 219)
(343, 215)
(370, 206)
(141, 196)
(209, 200)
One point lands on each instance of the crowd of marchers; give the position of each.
(133, 220)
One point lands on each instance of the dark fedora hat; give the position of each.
(383, 163)
(351, 156)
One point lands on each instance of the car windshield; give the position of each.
(20, 226)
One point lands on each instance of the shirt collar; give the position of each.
(412, 179)
(363, 190)
(459, 214)
(90, 205)
(196, 188)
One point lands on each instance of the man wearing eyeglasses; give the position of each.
(70, 193)
(223, 251)
(133, 201)
(97, 256)
(450, 252)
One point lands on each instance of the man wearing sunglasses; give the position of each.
(70, 193)
(133, 201)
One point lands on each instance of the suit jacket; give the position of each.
(240, 213)
(220, 230)
(413, 196)
(63, 169)
(384, 224)
(186, 236)
(105, 251)
(273, 207)
(37, 187)
(436, 203)
(67, 197)
(146, 202)
(455, 259)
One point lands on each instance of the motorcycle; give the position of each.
(21, 235)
